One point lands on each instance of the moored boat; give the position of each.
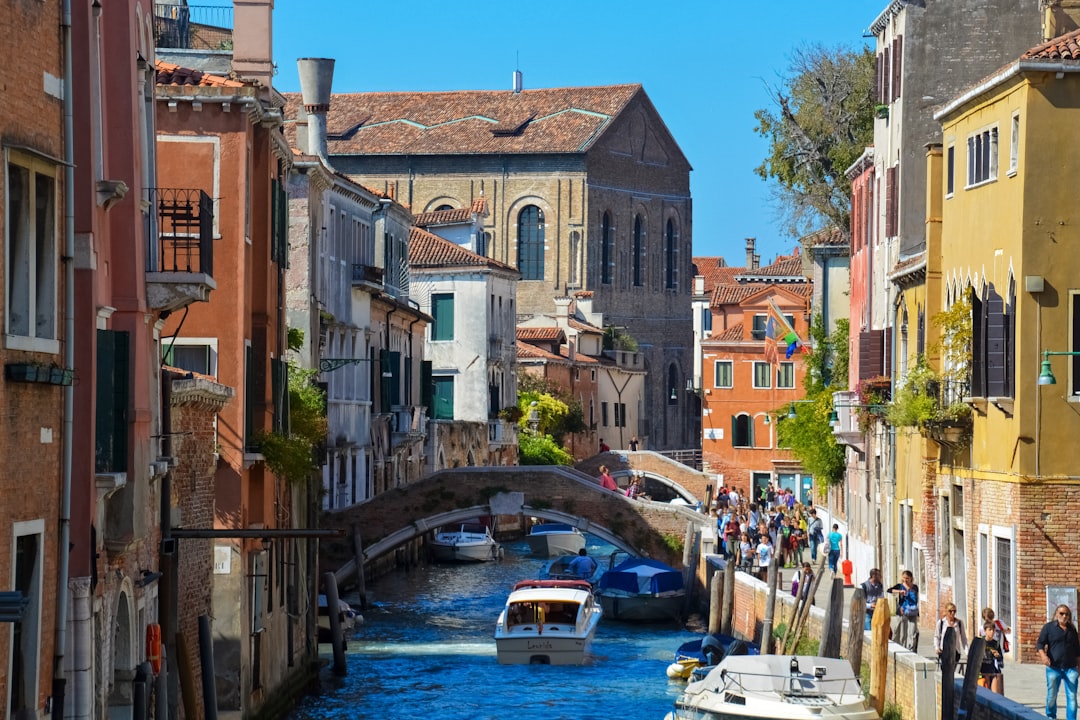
(467, 542)
(695, 658)
(775, 687)
(641, 589)
(547, 622)
(551, 539)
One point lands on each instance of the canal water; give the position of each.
(426, 650)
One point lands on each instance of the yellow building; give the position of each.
(1006, 502)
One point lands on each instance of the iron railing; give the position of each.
(184, 239)
(193, 27)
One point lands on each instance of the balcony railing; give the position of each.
(193, 27)
(184, 241)
(367, 275)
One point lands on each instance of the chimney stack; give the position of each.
(517, 81)
(750, 243)
(253, 51)
(316, 77)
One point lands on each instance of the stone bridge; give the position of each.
(563, 494)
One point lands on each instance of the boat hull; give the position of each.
(464, 552)
(547, 622)
(555, 544)
(643, 608)
(547, 649)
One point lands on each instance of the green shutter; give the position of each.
(425, 386)
(390, 387)
(442, 310)
(110, 437)
(444, 398)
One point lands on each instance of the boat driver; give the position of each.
(582, 566)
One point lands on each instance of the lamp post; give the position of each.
(331, 364)
(1046, 375)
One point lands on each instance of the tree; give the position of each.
(808, 434)
(560, 413)
(822, 122)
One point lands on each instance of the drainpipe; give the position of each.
(64, 529)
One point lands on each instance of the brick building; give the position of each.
(586, 189)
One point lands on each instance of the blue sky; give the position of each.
(703, 63)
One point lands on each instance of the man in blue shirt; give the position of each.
(582, 566)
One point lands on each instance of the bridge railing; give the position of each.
(690, 458)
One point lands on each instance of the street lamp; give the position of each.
(1046, 375)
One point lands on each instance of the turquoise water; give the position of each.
(426, 651)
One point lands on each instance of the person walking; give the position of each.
(606, 481)
(873, 591)
(946, 621)
(836, 541)
(1059, 650)
(802, 584)
(764, 557)
(907, 630)
(814, 533)
(993, 662)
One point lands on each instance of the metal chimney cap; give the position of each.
(316, 77)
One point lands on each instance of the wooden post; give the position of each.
(834, 623)
(727, 609)
(767, 642)
(948, 674)
(880, 631)
(715, 589)
(976, 650)
(337, 635)
(187, 678)
(856, 620)
(358, 549)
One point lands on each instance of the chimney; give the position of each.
(302, 131)
(253, 51)
(316, 76)
(1060, 17)
(750, 242)
(517, 81)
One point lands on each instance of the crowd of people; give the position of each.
(754, 531)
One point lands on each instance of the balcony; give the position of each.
(193, 27)
(368, 276)
(407, 422)
(180, 261)
(502, 432)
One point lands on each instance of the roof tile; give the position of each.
(428, 250)
(175, 75)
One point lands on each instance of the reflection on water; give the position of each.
(426, 650)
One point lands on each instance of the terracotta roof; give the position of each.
(525, 350)
(715, 271)
(583, 326)
(583, 294)
(828, 236)
(1065, 47)
(579, 356)
(427, 250)
(733, 333)
(544, 333)
(732, 294)
(552, 120)
(456, 215)
(783, 266)
(175, 75)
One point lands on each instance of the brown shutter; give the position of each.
(897, 65)
(891, 213)
(886, 75)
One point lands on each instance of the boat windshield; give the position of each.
(474, 528)
(542, 612)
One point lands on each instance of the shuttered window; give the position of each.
(113, 377)
(892, 190)
(978, 357)
(443, 398)
(995, 344)
(442, 310)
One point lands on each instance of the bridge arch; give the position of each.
(557, 493)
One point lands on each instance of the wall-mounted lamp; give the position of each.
(1046, 375)
(674, 397)
(331, 364)
(834, 417)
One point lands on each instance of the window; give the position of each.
(604, 414)
(26, 635)
(722, 374)
(1014, 144)
(531, 243)
(706, 320)
(742, 431)
(673, 384)
(442, 398)
(607, 249)
(757, 330)
(442, 312)
(575, 259)
(443, 207)
(762, 375)
(620, 414)
(982, 157)
(31, 255)
(671, 279)
(191, 355)
(785, 375)
(639, 239)
(950, 170)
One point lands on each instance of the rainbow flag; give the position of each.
(779, 332)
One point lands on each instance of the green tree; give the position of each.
(821, 122)
(541, 450)
(560, 413)
(291, 454)
(808, 434)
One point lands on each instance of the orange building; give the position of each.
(741, 390)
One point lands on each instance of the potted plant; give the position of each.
(511, 413)
(881, 111)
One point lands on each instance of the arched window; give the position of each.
(531, 243)
(607, 249)
(671, 277)
(673, 384)
(444, 206)
(639, 238)
(575, 259)
(742, 431)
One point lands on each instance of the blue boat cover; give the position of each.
(642, 576)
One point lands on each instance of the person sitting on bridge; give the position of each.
(635, 490)
(582, 566)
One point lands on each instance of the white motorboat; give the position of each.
(547, 622)
(554, 539)
(468, 542)
(642, 590)
(775, 687)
